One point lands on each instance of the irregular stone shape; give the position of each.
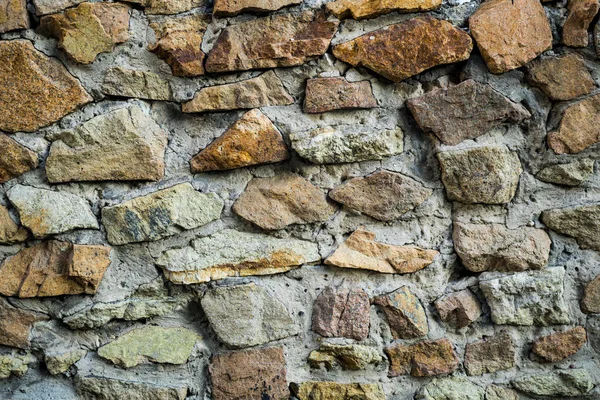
(16, 324)
(405, 314)
(464, 111)
(487, 175)
(37, 90)
(265, 90)
(14, 364)
(331, 145)
(590, 301)
(362, 9)
(328, 94)
(510, 33)
(46, 212)
(249, 374)
(567, 383)
(581, 14)
(15, 159)
(10, 232)
(246, 315)
(349, 357)
(339, 391)
(400, 51)
(123, 145)
(92, 387)
(561, 78)
(459, 309)
(60, 362)
(526, 298)
(282, 40)
(89, 29)
(151, 344)
(582, 223)
(233, 253)
(573, 173)
(13, 15)
(124, 82)
(43, 7)
(489, 355)
(286, 199)
(597, 39)
(494, 392)
(160, 214)
(558, 346)
(454, 388)
(578, 127)
(494, 247)
(383, 195)
(229, 8)
(251, 140)
(167, 7)
(361, 251)
(54, 268)
(341, 312)
(428, 358)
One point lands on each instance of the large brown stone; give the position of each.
(54, 268)
(428, 358)
(10, 232)
(590, 301)
(337, 391)
(361, 251)
(489, 355)
(273, 41)
(510, 33)
(464, 111)
(13, 15)
(579, 127)
(15, 159)
(229, 8)
(16, 324)
(561, 78)
(403, 50)
(36, 90)
(581, 14)
(383, 195)
(405, 314)
(558, 346)
(459, 309)
(328, 94)
(340, 312)
(361, 9)
(251, 140)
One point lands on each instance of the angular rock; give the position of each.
(526, 298)
(400, 51)
(495, 353)
(249, 374)
(160, 214)
(581, 14)
(167, 7)
(37, 90)
(558, 346)
(582, 223)
(15, 159)
(10, 232)
(229, 8)
(251, 140)
(464, 111)
(59, 362)
(510, 33)
(331, 145)
(43, 7)
(328, 94)
(93, 387)
(487, 175)
(352, 357)
(428, 358)
(405, 314)
(590, 301)
(341, 312)
(567, 383)
(454, 388)
(283, 40)
(383, 195)
(573, 173)
(265, 90)
(54, 268)
(13, 15)
(339, 391)
(494, 247)
(14, 364)
(232, 253)
(561, 78)
(361, 251)
(246, 315)
(494, 392)
(123, 145)
(286, 199)
(89, 29)
(362, 9)
(16, 324)
(578, 127)
(124, 82)
(459, 309)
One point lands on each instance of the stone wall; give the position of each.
(272, 199)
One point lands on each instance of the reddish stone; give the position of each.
(405, 314)
(15, 159)
(328, 94)
(16, 324)
(561, 78)
(578, 127)
(492, 354)
(427, 358)
(581, 14)
(340, 312)
(558, 346)
(459, 309)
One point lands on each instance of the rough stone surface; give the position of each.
(573, 173)
(13, 15)
(349, 357)
(582, 223)
(168, 7)
(14, 364)
(228, 8)
(91, 387)
(58, 363)
(459, 309)
(328, 94)
(561, 78)
(489, 355)
(567, 383)
(10, 232)
(590, 301)
(558, 346)
(578, 127)
(341, 312)
(338, 391)
(362, 9)
(428, 358)
(494, 392)
(454, 388)
(15, 159)
(43, 7)
(124, 82)
(407, 49)
(405, 314)
(575, 29)
(16, 324)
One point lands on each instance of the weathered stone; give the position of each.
(167, 7)
(124, 145)
(251, 140)
(558, 346)
(494, 392)
(331, 145)
(383, 195)
(233, 253)
(16, 324)
(338, 391)
(361, 251)
(454, 388)
(93, 387)
(495, 353)
(59, 362)
(10, 232)
(573, 173)
(362, 9)
(328, 94)
(246, 315)
(567, 383)
(14, 364)
(124, 82)
(581, 14)
(249, 374)
(428, 358)
(229, 8)
(54, 268)
(89, 29)
(590, 301)
(405, 314)
(160, 214)
(494, 247)
(286, 199)
(350, 357)
(561, 78)
(282, 40)
(488, 175)
(400, 51)
(43, 7)
(578, 127)
(526, 298)
(341, 312)
(13, 15)
(510, 33)
(15, 159)
(597, 39)
(263, 91)
(459, 309)
(37, 90)
(464, 111)
(582, 223)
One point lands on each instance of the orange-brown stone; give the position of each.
(328, 94)
(13, 15)
(579, 127)
(362, 9)
(581, 14)
(561, 78)
(15, 159)
(426, 358)
(590, 301)
(229, 8)
(16, 324)
(10, 232)
(558, 346)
